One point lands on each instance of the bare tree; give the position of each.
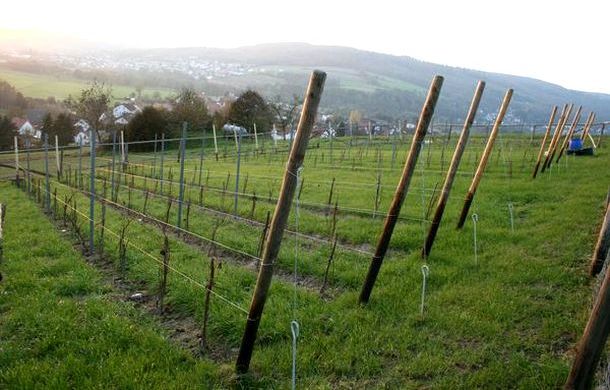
(91, 104)
(285, 113)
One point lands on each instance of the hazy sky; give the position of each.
(561, 42)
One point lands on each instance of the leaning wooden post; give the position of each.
(453, 167)
(566, 140)
(593, 340)
(588, 123)
(483, 163)
(543, 144)
(563, 125)
(585, 132)
(602, 245)
(280, 218)
(16, 139)
(565, 114)
(425, 117)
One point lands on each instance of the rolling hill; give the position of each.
(380, 84)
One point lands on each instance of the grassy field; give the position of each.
(509, 319)
(44, 86)
(347, 78)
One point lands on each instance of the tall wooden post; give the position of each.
(593, 340)
(566, 140)
(602, 246)
(588, 122)
(215, 141)
(483, 163)
(453, 167)
(280, 218)
(585, 132)
(425, 117)
(543, 144)
(255, 138)
(551, 150)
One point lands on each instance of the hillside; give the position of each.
(380, 84)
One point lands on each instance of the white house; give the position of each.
(27, 130)
(279, 137)
(125, 109)
(82, 138)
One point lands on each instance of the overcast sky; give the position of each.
(561, 42)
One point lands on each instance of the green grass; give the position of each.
(347, 78)
(61, 326)
(44, 86)
(509, 321)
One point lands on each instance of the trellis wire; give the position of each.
(153, 257)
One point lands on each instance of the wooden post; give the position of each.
(453, 167)
(560, 125)
(568, 136)
(543, 143)
(556, 144)
(165, 252)
(483, 163)
(328, 264)
(602, 245)
(280, 218)
(206, 306)
(585, 132)
(425, 118)
(593, 340)
(255, 137)
(215, 141)
(263, 236)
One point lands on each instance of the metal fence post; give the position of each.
(181, 192)
(92, 193)
(113, 195)
(237, 174)
(161, 163)
(47, 196)
(201, 157)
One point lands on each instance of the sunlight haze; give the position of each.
(557, 42)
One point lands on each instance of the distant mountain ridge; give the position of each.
(532, 100)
